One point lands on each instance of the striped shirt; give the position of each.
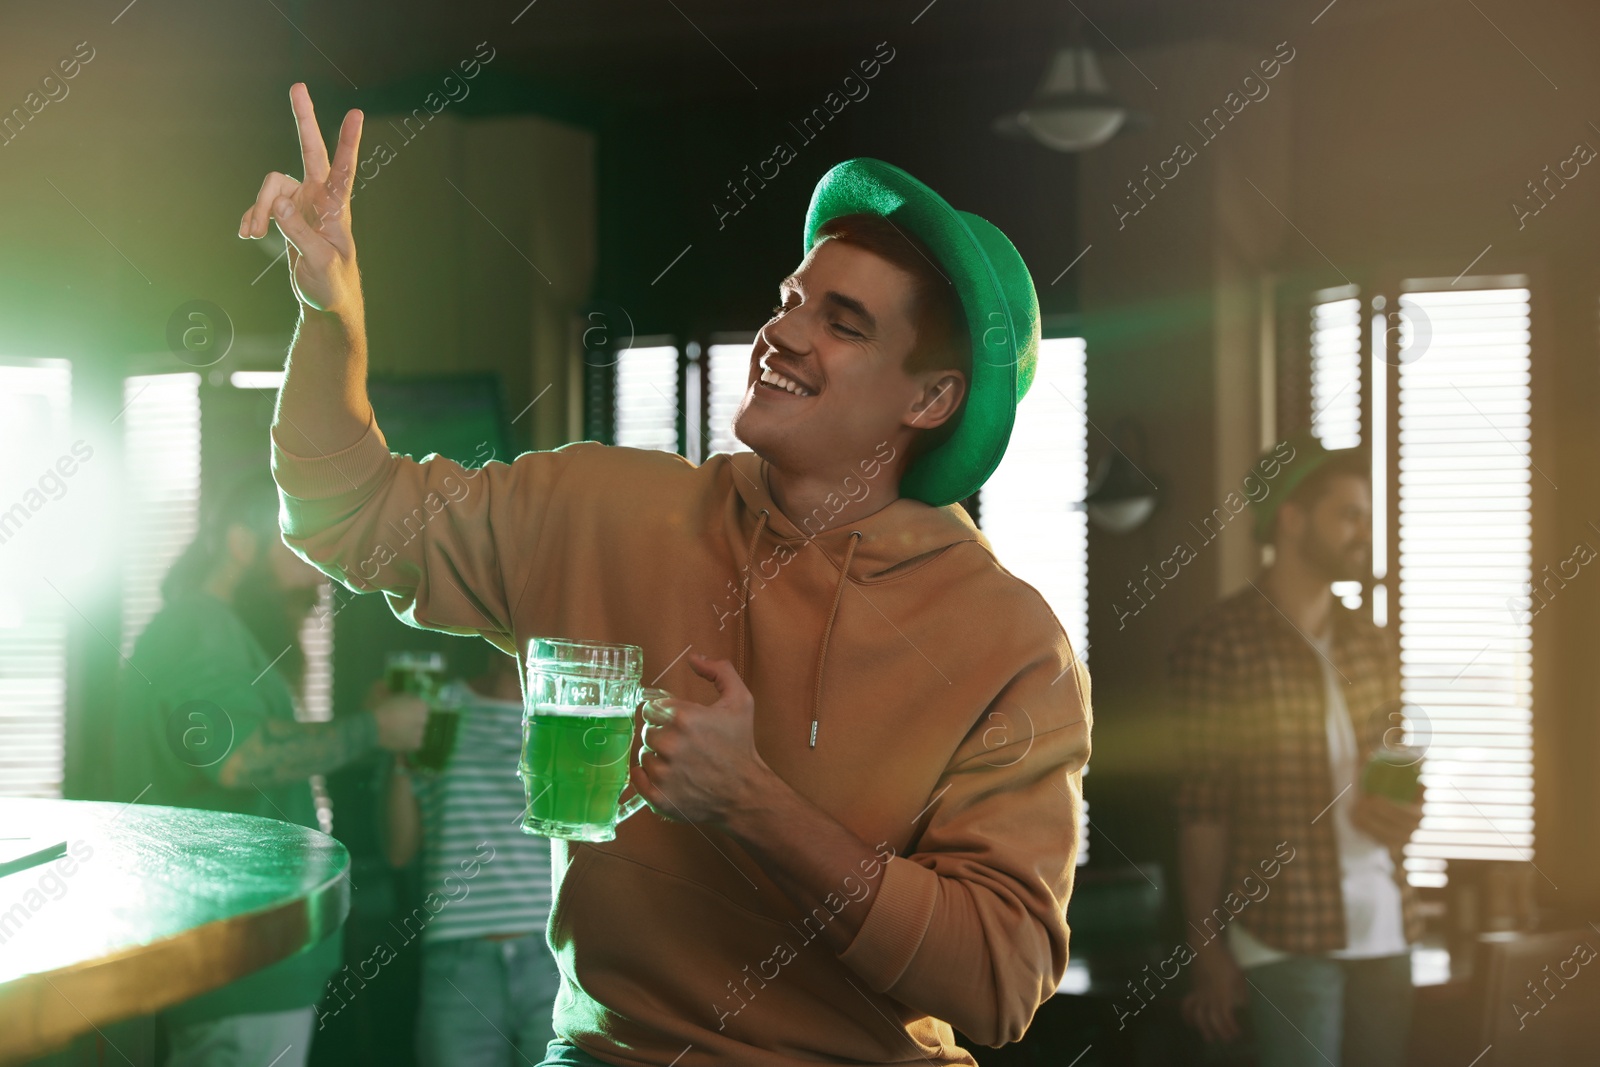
(492, 877)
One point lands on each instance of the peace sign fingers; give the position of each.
(344, 156)
(313, 214)
(313, 153)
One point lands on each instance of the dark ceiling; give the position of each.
(683, 93)
(649, 53)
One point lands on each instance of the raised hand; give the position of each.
(402, 720)
(1388, 822)
(313, 213)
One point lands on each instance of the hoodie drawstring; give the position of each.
(744, 590)
(827, 631)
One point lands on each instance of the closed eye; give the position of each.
(779, 309)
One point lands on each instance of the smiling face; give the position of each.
(828, 382)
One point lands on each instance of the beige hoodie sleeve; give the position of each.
(970, 926)
(447, 544)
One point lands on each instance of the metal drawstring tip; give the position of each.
(813, 733)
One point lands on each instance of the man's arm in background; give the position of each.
(402, 817)
(282, 752)
(1200, 671)
(1218, 980)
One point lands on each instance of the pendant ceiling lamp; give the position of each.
(1073, 110)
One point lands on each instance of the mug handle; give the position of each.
(634, 804)
(630, 806)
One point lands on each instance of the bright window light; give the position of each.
(161, 487)
(1465, 564)
(256, 379)
(1336, 370)
(35, 435)
(729, 372)
(647, 397)
(1032, 505)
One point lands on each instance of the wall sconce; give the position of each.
(1121, 494)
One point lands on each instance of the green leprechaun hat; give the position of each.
(996, 292)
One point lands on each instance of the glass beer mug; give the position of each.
(422, 674)
(577, 735)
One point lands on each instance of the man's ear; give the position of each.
(1290, 521)
(939, 400)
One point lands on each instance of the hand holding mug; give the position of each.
(1383, 819)
(402, 717)
(698, 762)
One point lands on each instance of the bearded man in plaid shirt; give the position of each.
(1284, 695)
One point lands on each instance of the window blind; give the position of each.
(1032, 505)
(161, 483)
(729, 373)
(647, 397)
(316, 640)
(1465, 561)
(316, 697)
(35, 431)
(1336, 370)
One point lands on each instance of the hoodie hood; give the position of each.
(891, 541)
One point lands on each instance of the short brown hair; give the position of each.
(942, 341)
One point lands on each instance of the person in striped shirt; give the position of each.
(489, 980)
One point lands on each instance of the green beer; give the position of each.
(417, 673)
(438, 739)
(577, 734)
(421, 674)
(1395, 773)
(574, 764)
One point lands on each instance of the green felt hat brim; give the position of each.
(996, 293)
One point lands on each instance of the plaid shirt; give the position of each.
(1252, 705)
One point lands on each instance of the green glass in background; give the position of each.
(577, 735)
(439, 735)
(422, 674)
(1395, 773)
(418, 673)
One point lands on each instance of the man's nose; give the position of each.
(787, 334)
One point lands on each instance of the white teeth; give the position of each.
(772, 377)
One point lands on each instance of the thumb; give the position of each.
(718, 672)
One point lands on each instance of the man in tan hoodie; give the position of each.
(864, 799)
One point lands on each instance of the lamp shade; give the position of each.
(1072, 110)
